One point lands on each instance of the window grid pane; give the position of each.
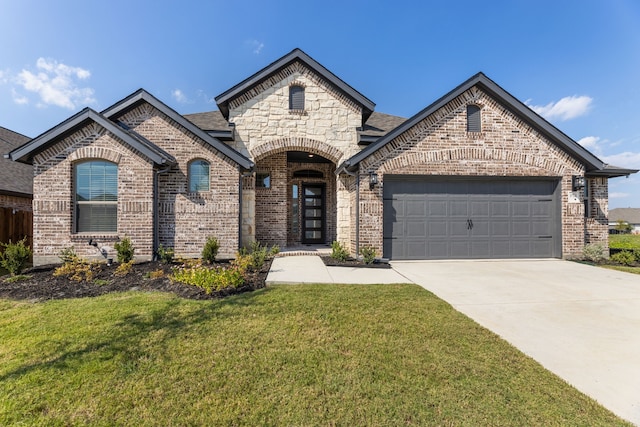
(199, 176)
(96, 196)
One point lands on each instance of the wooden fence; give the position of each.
(15, 225)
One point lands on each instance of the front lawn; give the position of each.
(382, 355)
(624, 241)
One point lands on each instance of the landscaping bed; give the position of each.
(41, 283)
(352, 262)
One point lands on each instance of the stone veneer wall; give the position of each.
(440, 145)
(264, 126)
(53, 204)
(186, 219)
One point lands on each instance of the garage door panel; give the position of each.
(436, 219)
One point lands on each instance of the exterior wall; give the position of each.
(597, 223)
(265, 127)
(440, 145)
(16, 219)
(186, 219)
(53, 203)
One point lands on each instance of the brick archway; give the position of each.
(296, 144)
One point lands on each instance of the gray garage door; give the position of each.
(457, 219)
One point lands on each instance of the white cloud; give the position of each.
(255, 46)
(589, 142)
(17, 98)
(626, 159)
(618, 195)
(567, 108)
(179, 96)
(56, 84)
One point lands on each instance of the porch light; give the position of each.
(577, 183)
(373, 180)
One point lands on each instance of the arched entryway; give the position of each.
(295, 198)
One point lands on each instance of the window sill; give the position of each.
(298, 112)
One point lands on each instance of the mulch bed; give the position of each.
(351, 262)
(43, 285)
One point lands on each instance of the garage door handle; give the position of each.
(469, 224)
(545, 237)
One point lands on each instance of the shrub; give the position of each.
(165, 254)
(125, 250)
(155, 274)
(368, 254)
(78, 270)
(624, 258)
(339, 252)
(124, 268)
(210, 250)
(258, 254)
(594, 252)
(209, 279)
(68, 255)
(15, 256)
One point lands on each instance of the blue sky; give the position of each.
(575, 62)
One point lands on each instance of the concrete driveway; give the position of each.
(578, 321)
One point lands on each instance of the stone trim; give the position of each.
(92, 152)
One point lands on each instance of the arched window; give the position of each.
(96, 185)
(474, 122)
(198, 176)
(296, 98)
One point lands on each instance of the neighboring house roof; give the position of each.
(16, 179)
(630, 215)
(142, 96)
(26, 152)
(593, 165)
(295, 55)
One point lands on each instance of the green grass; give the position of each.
(624, 241)
(626, 269)
(378, 355)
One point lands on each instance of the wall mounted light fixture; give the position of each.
(577, 183)
(373, 180)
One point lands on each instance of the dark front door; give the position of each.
(313, 213)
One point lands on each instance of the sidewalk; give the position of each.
(311, 269)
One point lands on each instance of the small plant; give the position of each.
(259, 253)
(16, 278)
(124, 268)
(624, 258)
(125, 250)
(165, 254)
(275, 250)
(210, 250)
(594, 252)
(68, 255)
(15, 256)
(78, 270)
(368, 254)
(338, 251)
(209, 279)
(155, 274)
(101, 282)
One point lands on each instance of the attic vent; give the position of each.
(474, 122)
(296, 98)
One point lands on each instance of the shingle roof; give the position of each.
(210, 120)
(630, 215)
(379, 124)
(15, 178)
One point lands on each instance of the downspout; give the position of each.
(156, 200)
(357, 176)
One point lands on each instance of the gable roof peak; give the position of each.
(296, 54)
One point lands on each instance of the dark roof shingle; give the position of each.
(15, 178)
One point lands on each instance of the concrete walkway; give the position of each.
(311, 269)
(578, 321)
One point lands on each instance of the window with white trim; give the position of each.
(96, 196)
(198, 176)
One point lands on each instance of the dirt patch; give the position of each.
(43, 285)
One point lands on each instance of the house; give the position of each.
(295, 155)
(16, 191)
(628, 215)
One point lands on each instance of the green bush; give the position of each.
(210, 250)
(15, 256)
(624, 258)
(368, 254)
(125, 250)
(78, 270)
(258, 254)
(68, 255)
(210, 279)
(165, 254)
(594, 252)
(624, 241)
(339, 252)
